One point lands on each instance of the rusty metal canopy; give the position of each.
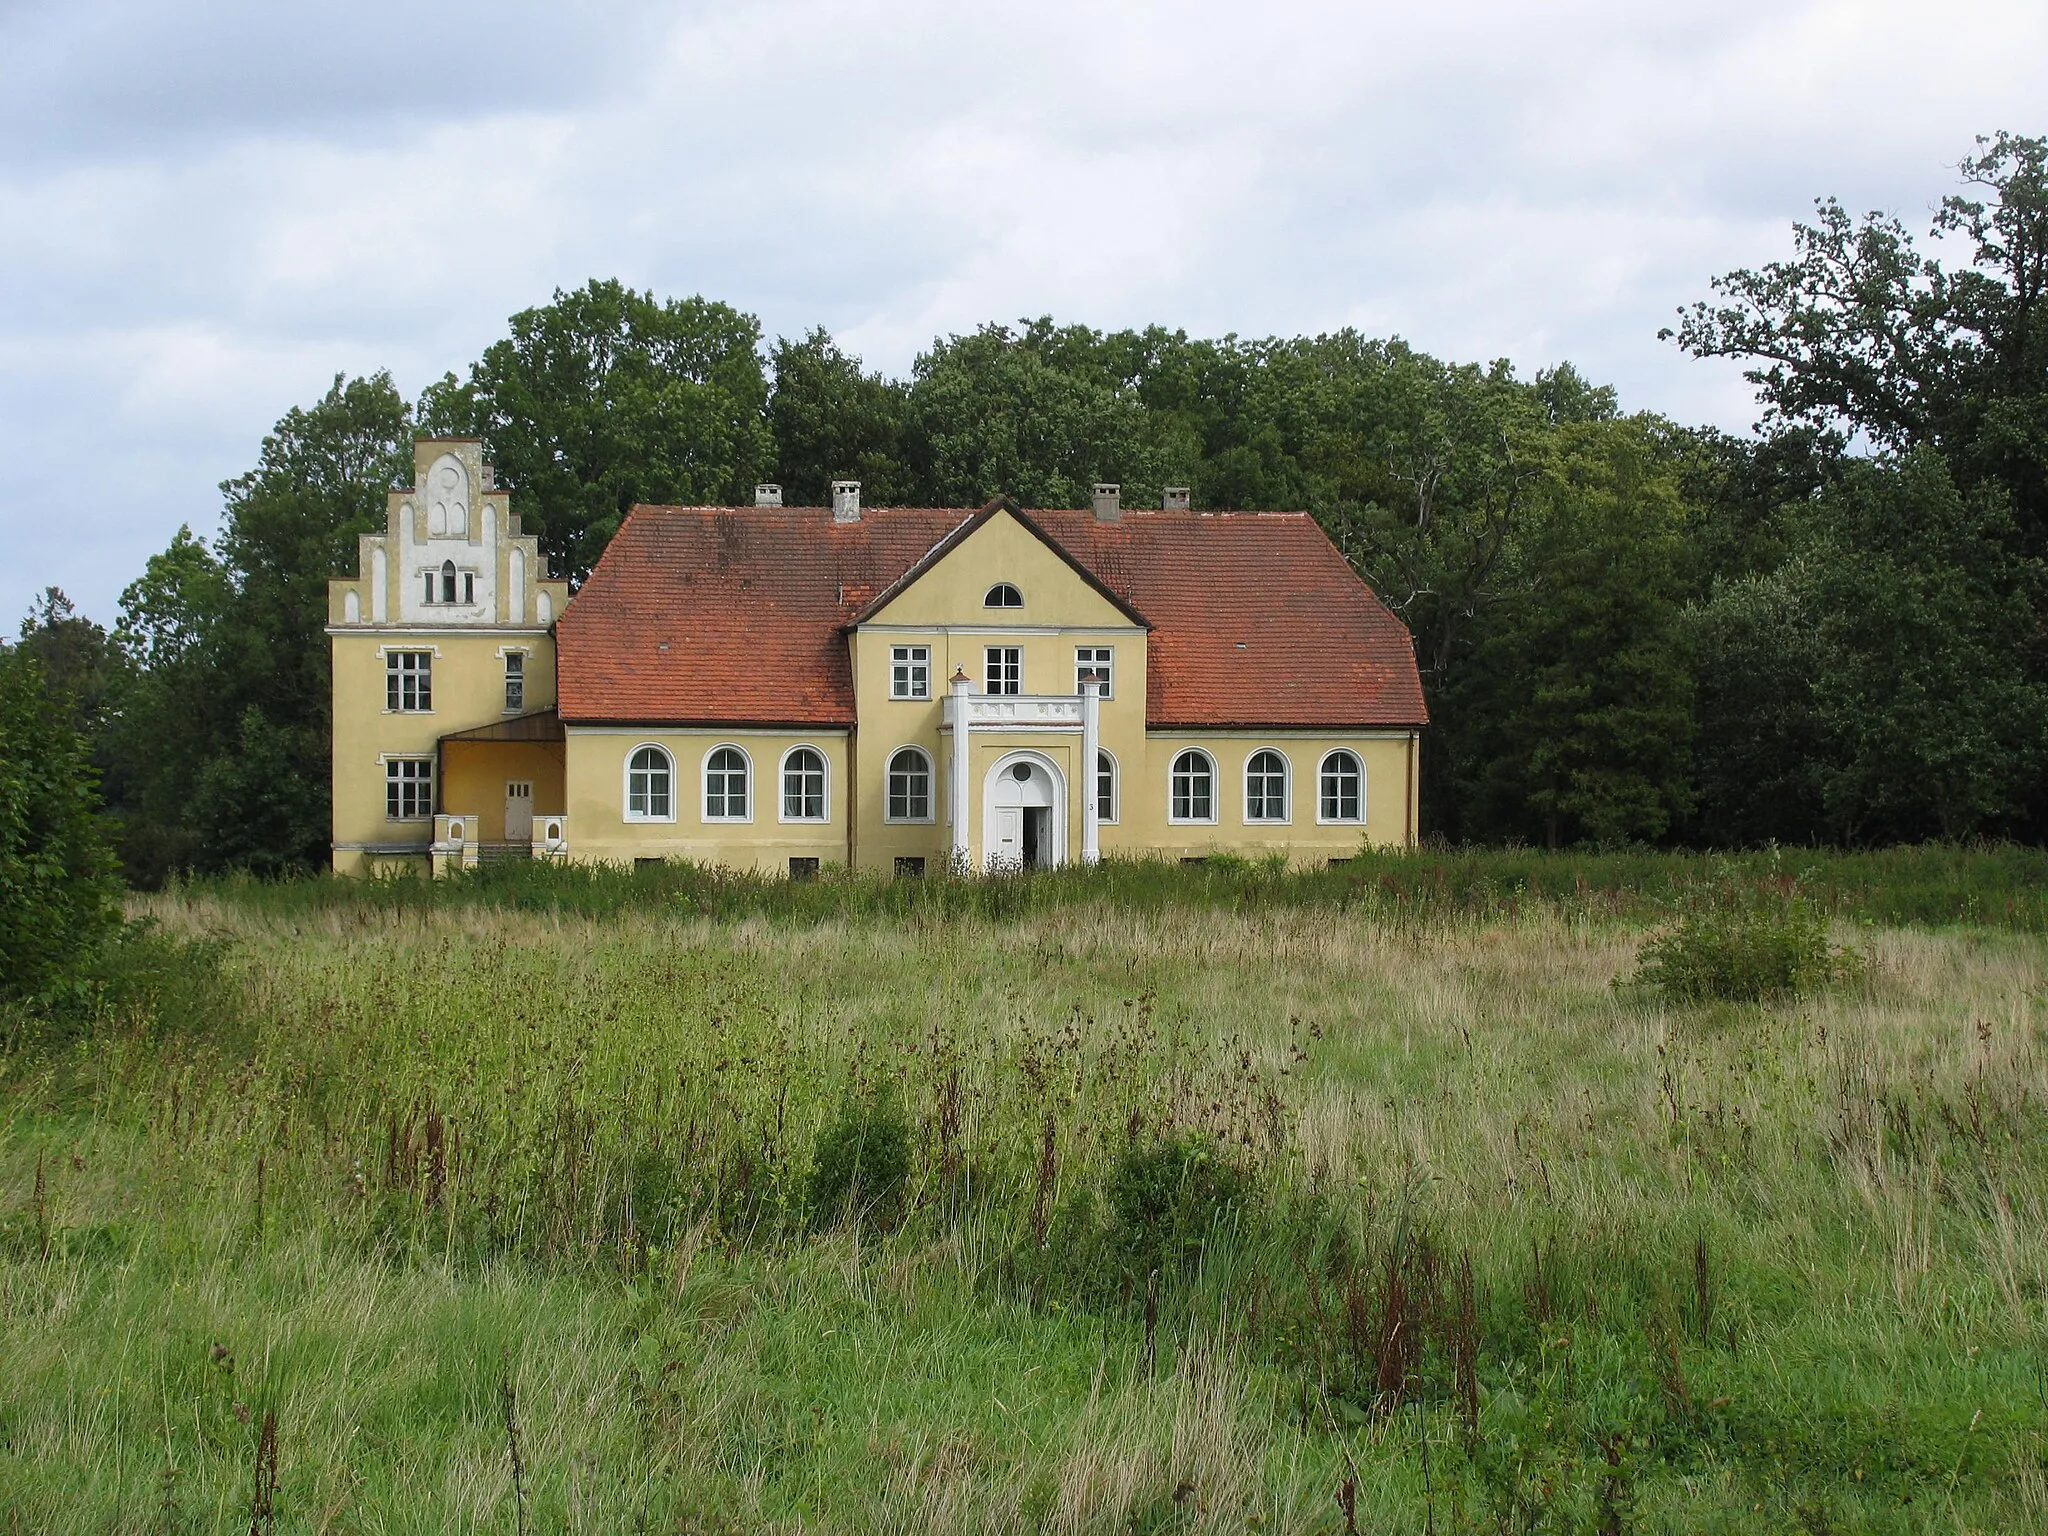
(541, 725)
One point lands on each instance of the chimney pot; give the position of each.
(1175, 499)
(845, 501)
(766, 495)
(1108, 502)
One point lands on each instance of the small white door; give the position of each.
(1009, 843)
(518, 810)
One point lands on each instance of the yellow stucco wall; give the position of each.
(585, 776)
(599, 831)
(944, 611)
(468, 691)
(474, 776)
(468, 643)
(1146, 827)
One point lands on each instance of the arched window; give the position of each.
(447, 581)
(1265, 786)
(1105, 787)
(650, 785)
(910, 787)
(1003, 595)
(803, 785)
(725, 785)
(1341, 786)
(1192, 790)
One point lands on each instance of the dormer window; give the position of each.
(1003, 595)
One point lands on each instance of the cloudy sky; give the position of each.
(207, 210)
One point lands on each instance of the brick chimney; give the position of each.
(1175, 499)
(845, 501)
(1109, 502)
(767, 495)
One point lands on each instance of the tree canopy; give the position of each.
(1834, 629)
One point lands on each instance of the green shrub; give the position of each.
(862, 1161)
(1744, 951)
(1166, 1198)
(58, 896)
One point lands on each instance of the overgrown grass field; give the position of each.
(1153, 1200)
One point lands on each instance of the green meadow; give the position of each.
(1383, 1198)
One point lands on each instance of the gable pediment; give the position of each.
(1000, 553)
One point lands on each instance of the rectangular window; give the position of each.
(409, 788)
(409, 681)
(910, 672)
(1005, 670)
(469, 586)
(909, 868)
(1092, 668)
(515, 682)
(803, 869)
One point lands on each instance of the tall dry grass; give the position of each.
(1783, 1265)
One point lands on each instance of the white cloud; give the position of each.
(206, 211)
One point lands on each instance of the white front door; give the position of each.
(1008, 844)
(518, 810)
(1023, 826)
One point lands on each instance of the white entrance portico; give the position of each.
(1024, 812)
(1036, 836)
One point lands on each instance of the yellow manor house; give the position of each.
(901, 688)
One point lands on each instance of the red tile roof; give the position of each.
(735, 615)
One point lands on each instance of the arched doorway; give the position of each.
(1024, 813)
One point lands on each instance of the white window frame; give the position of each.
(1286, 816)
(704, 785)
(431, 781)
(988, 665)
(1116, 787)
(988, 597)
(931, 789)
(394, 671)
(512, 655)
(1322, 768)
(910, 672)
(782, 785)
(626, 785)
(1106, 689)
(1172, 763)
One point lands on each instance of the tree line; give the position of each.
(1832, 630)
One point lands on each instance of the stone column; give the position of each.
(1091, 744)
(962, 691)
